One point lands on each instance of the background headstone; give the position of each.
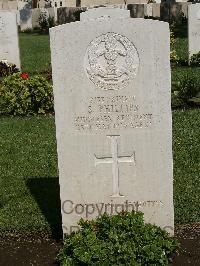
(176, 12)
(4, 4)
(26, 17)
(112, 91)
(52, 13)
(136, 2)
(165, 11)
(185, 8)
(43, 4)
(9, 44)
(104, 12)
(136, 10)
(148, 10)
(35, 15)
(95, 3)
(12, 5)
(194, 28)
(156, 10)
(68, 14)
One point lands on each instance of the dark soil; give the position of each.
(35, 251)
(189, 252)
(40, 251)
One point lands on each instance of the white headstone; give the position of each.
(148, 10)
(12, 5)
(52, 13)
(128, 2)
(9, 44)
(21, 5)
(26, 17)
(185, 8)
(156, 10)
(104, 12)
(113, 119)
(194, 28)
(92, 3)
(35, 16)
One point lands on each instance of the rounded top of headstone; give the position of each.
(111, 61)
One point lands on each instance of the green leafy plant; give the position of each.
(7, 69)
(173, 55)
(46, 22)
(24, 95)
(43, 22)
(51, 22)
(186, 90)
(122, 239)
(195, 60)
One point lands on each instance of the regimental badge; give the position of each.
(111, 61)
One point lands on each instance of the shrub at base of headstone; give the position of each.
(122, 239)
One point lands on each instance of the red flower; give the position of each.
(24, 75)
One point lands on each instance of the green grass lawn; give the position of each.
(29, 177)
(35, 52)
(186, 153)
(28, 174)
(181, 43)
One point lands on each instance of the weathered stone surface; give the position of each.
(9, 44)
(113, 119)
(104, 12)
(194, 28)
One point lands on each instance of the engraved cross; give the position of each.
(115, 159)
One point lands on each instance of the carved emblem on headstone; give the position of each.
(111, 61)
